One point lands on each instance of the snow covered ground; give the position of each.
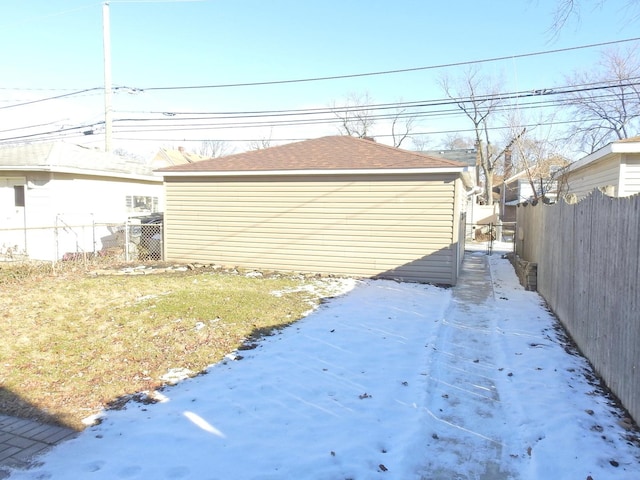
(388, 380)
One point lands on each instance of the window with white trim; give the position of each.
(141, 204)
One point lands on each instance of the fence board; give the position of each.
(588, 257)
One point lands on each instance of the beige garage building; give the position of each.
(333, 205)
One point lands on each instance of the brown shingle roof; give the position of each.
(325, 153)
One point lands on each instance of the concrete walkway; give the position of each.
(463, 378)
(21, 440)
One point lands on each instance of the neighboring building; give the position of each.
(468, 156)
(519, 189)
(477, 215)
(167, 157)
(52, 194)
(332, 205)
(540, 182)
(514, 191)
(615, 168)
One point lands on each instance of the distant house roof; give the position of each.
(168, 157)
(626, 145)
(464, 155)
(322, 155)
(64, 157)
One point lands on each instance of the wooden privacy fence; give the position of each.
(587, 256)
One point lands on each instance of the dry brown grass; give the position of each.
(71, 344)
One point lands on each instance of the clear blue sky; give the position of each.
(57, 44)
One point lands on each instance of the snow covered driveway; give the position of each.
(395, 381)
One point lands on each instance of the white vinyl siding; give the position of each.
(398, 226)
(583, 181)
(630, 175)
(75, 202)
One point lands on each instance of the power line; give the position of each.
(41, 17)
(412, 134)
(56, 97)
(312, 79)
(388, 72)
(29, 127)
(85, 128)
(540, 100)
(251, 116)
(335, 77)
(632, 81)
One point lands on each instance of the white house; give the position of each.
(59, 198)
(615, 167)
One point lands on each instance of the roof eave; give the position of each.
(368, 171)
(73, 171)
(605, 152)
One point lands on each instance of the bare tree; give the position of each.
(477, 96)
(567, 9)
(454, 141)
(611, 110)
(420, 142)
(215, 148)
(402, 125)
(543, 166)
(121, 152)
(261, 144)
(356, 119)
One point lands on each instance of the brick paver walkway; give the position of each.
(21, 440)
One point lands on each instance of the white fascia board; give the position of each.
(604, 152)
(76, 171)
(373, 171)
(591, 158)
(625, 147)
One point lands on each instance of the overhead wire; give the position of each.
(400, 70)
(563, 90)
(426, 133)
(35, 18)
(347, 108)
(120, 126)
(400, 109)
(380, 72)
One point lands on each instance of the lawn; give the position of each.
(72, 344)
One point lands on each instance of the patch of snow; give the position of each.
(93, 419)
(326, 287)
(390, 380)
(175, 375)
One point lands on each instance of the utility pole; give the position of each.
(106, 35)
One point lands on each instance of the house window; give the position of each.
(146, 204)
(18, 195)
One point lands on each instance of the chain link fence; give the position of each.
(137, 239)
(488, 233)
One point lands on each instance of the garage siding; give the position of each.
(399, 226)
(583, 181)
